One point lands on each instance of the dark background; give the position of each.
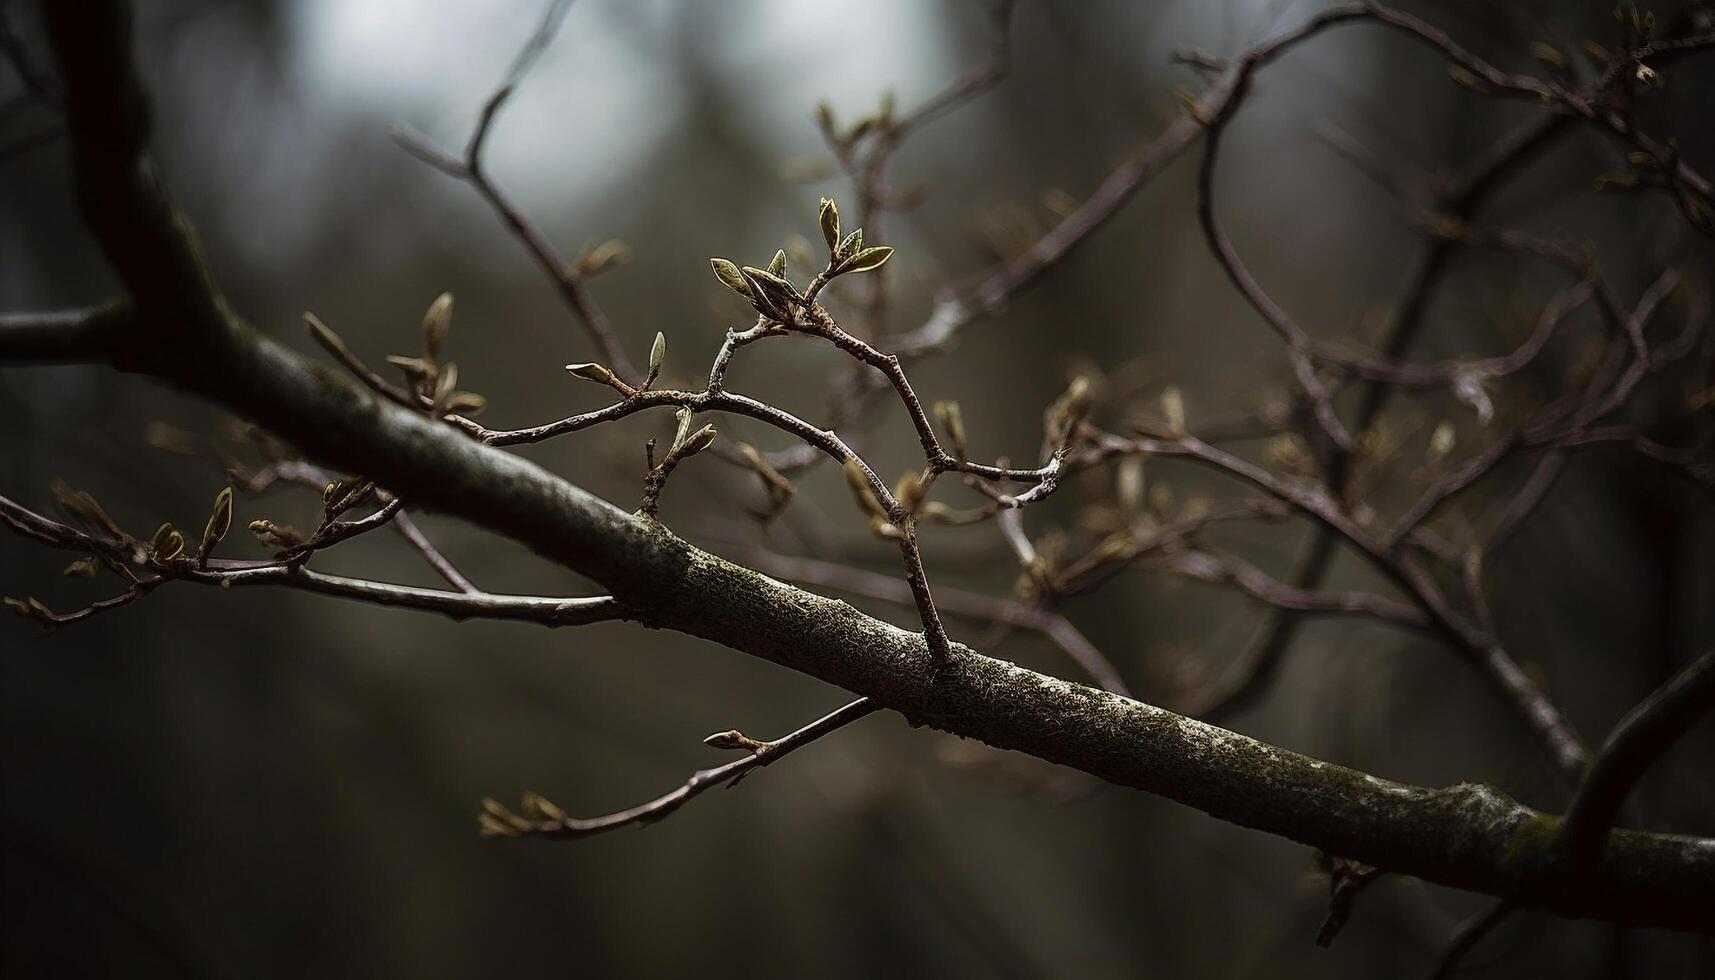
(262, 784)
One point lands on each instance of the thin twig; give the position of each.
(1467, 936)
(408, 528)
(543, 819)
(470, 168)
(229, 574)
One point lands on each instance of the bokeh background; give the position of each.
(264, 784)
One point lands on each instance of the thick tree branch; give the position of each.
(1057, 629)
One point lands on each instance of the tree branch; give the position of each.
(1641, 737)
(1056, 628)
(468, 604)
(543, 819)
(472, 169)
(61, 336)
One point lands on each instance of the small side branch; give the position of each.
(151, 573)
(1219, 569)
(471, 169)
(408, 529)
(1641, 737)
(1468, 935)
(540, 818)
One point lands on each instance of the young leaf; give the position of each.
(1548, 54)
(1173, 409)
(953, 421)
(829, 216)
(436, 322)
(466, 403)
(849, 246)
(863, 492)
(730, 277)
(773, 296)
(867, 260)
(167, 544)
(657, 353)
(591, 372)
(218, 524)
(594, 261)
(83, 568)
(444, 387)
(538, 807)
(696, 442)
(1464, 77)
(683, 432)
(731, 740)
(1128, 482)
(772, 281)
(764, 302)
(885, 529)
(276, 535)
(31, 607)
(416, 368)
(777, 484)
(910, 491)
(1441, 441)
(1068, 410)
(84, 511)
(777, 265)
